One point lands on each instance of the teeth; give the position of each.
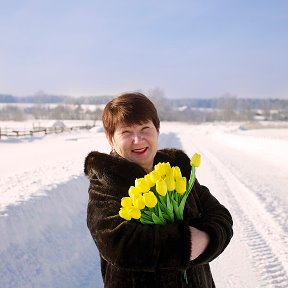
(139, 150)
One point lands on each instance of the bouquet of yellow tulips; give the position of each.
(159, 197)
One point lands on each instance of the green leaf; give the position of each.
(143, 221)
(146, 217)
(162, 199)
(178, 198)
(161, 215)
(170, 209)
(182, 203)
(167, 217)
(156, 219)
(169, 205)
(147, 212)
(176, 210)
(161, 206)
(165, 211)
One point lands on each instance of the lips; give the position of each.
(140, 150)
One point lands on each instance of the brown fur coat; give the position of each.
(137, 255)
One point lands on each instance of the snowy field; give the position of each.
(44, 239)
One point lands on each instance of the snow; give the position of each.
(44, 238)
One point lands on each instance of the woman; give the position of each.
(137, 255)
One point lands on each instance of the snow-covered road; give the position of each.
(44, 239)
(247, 172)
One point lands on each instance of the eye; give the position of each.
(124, 132)
(145, 128)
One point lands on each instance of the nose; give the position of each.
(137, 138)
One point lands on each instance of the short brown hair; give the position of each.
(128, 108)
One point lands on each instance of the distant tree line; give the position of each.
(226, 108)
(42, 98)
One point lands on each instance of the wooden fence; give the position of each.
(14, 132)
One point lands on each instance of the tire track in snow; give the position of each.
(264, 238)
(277, 208)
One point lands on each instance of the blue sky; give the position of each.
(189, 48)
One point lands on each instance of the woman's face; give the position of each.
(137, 143)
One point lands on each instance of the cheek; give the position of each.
(120, 144)
(155, 140)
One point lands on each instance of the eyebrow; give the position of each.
(124, 127)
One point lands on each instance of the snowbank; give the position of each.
(46, 242)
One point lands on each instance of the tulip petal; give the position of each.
(195, 160)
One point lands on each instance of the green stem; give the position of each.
(191, 179)
(185, 277)
(188, 190)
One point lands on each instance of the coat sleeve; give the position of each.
(215, 220)
(130, 244)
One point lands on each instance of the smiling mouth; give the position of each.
(140, 151)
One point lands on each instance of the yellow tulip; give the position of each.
(162, 168)
(161, 187)
(170, 182)
(154, 176)
(123, 212)
(138, 202)
(136, 197)
(195, 160)
(150, 199)
(133, 191)
(176, 172)
(142, 185)
(158, 166)
(167, 167)
(180, 185)
(147, 178)
(126, 202)
(134, 212)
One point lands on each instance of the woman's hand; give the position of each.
(199, 242)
